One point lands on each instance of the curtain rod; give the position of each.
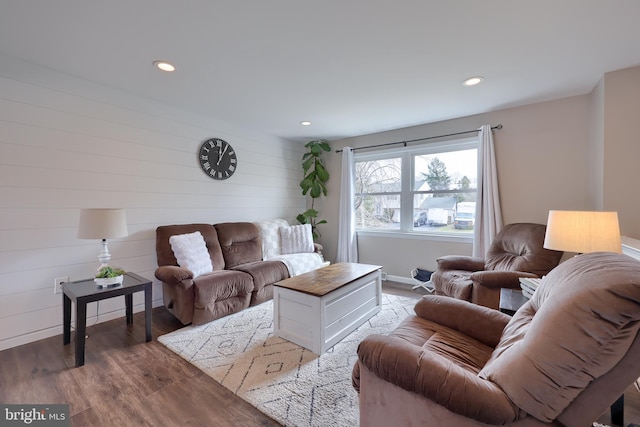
(421, 139)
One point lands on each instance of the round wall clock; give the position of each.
(217, 158)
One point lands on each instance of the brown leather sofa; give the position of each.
(562, 359)
(516, 251)
(240, 277)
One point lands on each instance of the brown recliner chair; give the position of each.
(515, 252)
(562, 359)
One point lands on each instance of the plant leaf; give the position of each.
(310, 143)
(325, 145)
(311, 213)
(316, 190)
(323, 175)
(307, 164)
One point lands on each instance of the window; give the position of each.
(378, 192)
(429, 188)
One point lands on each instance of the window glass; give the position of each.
(444, 190)
(377, 193)
(431, 188)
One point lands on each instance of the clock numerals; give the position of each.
(217, 159)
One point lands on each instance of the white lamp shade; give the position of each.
(102, 224)
(583, 231)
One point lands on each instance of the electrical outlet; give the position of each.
(57, 284)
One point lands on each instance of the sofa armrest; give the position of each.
(460, 262)
(174, 275)
(433, 376)
(500, 279)
(480, 323)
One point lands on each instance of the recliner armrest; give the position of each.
(174, 275)
(431, 375)
(317, 248)
(460, 262)
(480, 323)
(496, 279)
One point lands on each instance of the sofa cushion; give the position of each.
(165, 255)
(438, 363)
(240, 242)
(518, 247)
(453, 283)
(191, 252)
(264, 274)
(553, 347)
(219, 294)
(296, 239)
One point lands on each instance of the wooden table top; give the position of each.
(323, 280)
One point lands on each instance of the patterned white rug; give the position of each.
(283, 380)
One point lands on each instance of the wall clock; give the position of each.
(217, 158)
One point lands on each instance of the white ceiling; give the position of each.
(352, 67)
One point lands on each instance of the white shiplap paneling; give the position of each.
(67, 144)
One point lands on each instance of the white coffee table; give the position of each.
(317, 309)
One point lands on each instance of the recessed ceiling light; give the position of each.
(164, 66)
(472, 81)
(305, 123)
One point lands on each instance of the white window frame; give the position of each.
(408, 193)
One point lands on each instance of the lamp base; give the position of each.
(104, 256)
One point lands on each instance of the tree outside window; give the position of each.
(378, 189)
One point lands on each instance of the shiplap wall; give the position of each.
(67, 144)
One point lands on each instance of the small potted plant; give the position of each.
(109, 276)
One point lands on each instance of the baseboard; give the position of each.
(399, 279)
(57, 330)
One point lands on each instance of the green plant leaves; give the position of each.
(316, 189)
(306, 164)
(108, 271)
(322, 173)
(314, 181)
(318, 144)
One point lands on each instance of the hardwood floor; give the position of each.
(127, 382)
(124, 382)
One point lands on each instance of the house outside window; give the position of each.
(426, 189)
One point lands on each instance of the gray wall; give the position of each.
(621, 147)
(574, 153)
(66, 144)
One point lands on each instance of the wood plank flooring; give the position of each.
(127, 382)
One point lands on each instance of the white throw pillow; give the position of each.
(296, 239)
(191, 253)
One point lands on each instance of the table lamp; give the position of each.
(102, 224)
(583, 232)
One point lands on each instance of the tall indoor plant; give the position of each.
(314, 182)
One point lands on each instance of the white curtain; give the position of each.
(347, 239)
(488, 214)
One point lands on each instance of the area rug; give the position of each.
(292, 385)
